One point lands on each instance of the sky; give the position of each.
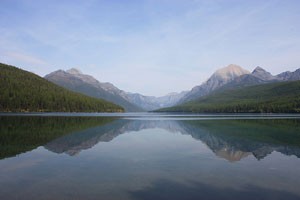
(153, 47)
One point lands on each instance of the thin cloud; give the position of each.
(20, 57)
(162, 46)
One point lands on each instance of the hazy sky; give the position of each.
(150, 46)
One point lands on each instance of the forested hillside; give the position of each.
(283, 97)
(22, 91)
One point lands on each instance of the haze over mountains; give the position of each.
(230, 77)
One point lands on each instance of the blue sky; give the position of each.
(150, 46)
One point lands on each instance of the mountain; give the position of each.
(74, 80)
(170, 99)
(24, 91)
(289, 76)
(152, 103)
(279, 97)
(257, 77)
(217, 80)
(262, 74)
(230, 77)
(234, 77)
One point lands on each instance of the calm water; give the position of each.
(149, 156)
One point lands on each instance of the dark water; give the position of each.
(149, 157)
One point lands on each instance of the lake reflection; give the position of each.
(123, 158)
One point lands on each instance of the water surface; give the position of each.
(149, 156)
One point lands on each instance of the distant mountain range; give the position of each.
(217, 80)
(152, 103)
(230, 77)
(234, 76)
(279, 97)
(233, 89)
(74, 80)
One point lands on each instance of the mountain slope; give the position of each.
(152, 103)
(222, 82)
(263, 74)
(25, 91)
(282, 97)
(74, 80)
(217, 80)
(289, 76)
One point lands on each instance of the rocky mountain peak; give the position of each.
(218, 79)
(285, 75)
(74, 71)
(231, 71)
(262, 74)
(259, 69)
(223, 76)
(55, 74)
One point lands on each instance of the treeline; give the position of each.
(268, 98)
(22, 91)
(249, 107)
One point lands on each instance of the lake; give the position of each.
(149, 156)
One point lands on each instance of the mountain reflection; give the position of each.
(72, 144)
(232, 140)
(237, 139)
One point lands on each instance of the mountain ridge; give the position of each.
(230, 77)
(88, 85)
(256, 77)
(216, 80)
(275, 97)
(73, 79)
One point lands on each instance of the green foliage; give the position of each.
(22, 91)
(283, 97)
(20, 134)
